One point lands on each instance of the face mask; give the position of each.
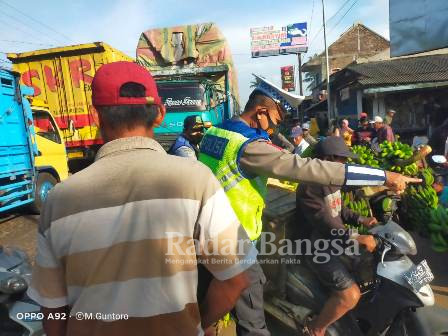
(196, 137)
(272, 128)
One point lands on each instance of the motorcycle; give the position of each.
(19, 315)
(395, 292)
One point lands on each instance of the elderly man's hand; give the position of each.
(368, 241)
(397, 182)
(368, 221)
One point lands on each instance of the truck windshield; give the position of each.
(182, 97)
(45, 127)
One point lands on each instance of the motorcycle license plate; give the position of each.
(419, 275)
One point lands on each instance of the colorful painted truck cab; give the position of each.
(194, 71)
(61, 77)
(32, 149)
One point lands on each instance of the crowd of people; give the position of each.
(368, 132)
(106, 233)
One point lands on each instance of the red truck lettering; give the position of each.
(50, 79)
(78, 69)
(27, 79)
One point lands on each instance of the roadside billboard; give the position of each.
(271, 41)
(417, 26)
(287, 74)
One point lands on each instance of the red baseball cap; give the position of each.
(110, 78)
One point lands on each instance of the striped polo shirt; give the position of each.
(119, 242)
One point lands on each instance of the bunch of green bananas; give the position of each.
(438, 229)
(362, 230)
(395, 149)
(428, 177)
(410, 170)
(366, 156)
(424, 196)
(420, 201)
(392, 152)
(360, 206)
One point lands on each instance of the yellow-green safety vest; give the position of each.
(220, 150)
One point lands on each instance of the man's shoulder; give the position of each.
(189, 166)
(143, 178)
(142, 166)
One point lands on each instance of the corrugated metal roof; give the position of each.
(421, 69)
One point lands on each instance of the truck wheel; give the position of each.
(45, 182)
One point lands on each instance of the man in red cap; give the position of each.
(119, 242)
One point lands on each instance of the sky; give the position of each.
(30, 25)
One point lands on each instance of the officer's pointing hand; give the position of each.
(397, 182)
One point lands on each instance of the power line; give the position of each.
(327, 21)
(18, 28)
(343, 16)
(27, 42)
(338, 11)
(311, 20)
(24, 23)
(37, 21)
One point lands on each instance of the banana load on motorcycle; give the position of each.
(379, 291)
(421, 207)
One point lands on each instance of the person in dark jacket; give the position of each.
(322, 217)
(364, 133)
(187, 143)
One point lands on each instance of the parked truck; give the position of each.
(61, 78)
(192, 65)
(32, 149)
(194, 71)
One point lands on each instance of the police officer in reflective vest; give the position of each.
(187, 143)
(241, 156)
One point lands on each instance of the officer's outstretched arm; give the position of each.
(263, 159)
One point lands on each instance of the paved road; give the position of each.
(20, 230)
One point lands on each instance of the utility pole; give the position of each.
(299, 56)
(328, 64)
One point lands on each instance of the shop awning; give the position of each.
(407, 87)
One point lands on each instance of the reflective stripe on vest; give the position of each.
(220, 150)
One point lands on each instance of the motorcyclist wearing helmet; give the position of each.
(322, 217)
(187, 143)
